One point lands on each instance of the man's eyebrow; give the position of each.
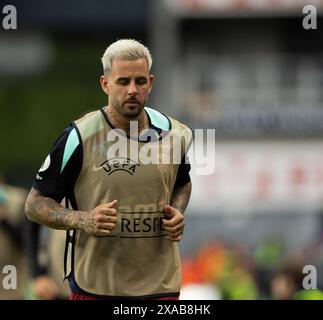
(141, 77)
(128, 78)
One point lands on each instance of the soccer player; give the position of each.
(127, 213)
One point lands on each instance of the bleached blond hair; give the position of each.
(126, 49)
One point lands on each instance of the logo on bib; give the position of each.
(117, 164)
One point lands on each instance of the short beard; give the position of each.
(131, 115)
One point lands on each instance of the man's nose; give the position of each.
(132, 89)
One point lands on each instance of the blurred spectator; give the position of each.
(237, 281)
(12, 201)
(267, 256)
(219, 272)
(287, 283)
(45, 252)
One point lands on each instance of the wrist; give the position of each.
(81, 220)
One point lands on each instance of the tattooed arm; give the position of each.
(174, 213)
(181, 196)
(99, 222)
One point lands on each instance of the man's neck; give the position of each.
(120, 122)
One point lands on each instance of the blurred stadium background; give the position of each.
(246, 68)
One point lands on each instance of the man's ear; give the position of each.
(151, 81)
(104, 84)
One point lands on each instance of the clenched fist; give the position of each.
(101, 220)
(174, 223)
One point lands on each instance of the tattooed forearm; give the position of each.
(181, 196)
(48, 212)
(100, 221)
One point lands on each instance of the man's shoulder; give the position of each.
(90, 123)
(178, 124)
(89, 115)
(164, 121)
(181, 129)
